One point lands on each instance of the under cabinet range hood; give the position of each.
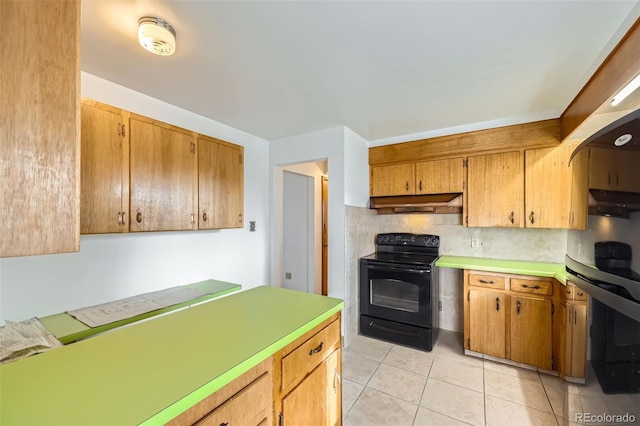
(428, 203)
(614, 167)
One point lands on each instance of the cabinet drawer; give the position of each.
(531, 286)
(251, 406)
(579, 294)
(570, 291)
(488, 281)
(310, 354)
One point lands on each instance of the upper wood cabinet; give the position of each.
(40, 136)
(104, 206)
(579, 191)
(547, 188)
(220, 184)
(440, 176)
(424, 177)
(624, 177)
(396, 179)
(495, 190)
(163, 176)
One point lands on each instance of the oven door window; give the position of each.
(394, 294)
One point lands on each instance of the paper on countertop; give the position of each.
(22, 339)
(106, 313)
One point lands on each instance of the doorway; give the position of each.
(305, 227)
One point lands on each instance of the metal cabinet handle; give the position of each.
(579, 293)
(532, 217)
(419, 186)
(240, 218)
(224, 424)
(204, 216)
(486, 282)
(407, 185)
(535, 287)
(513, 217)
(336, 378)
(139, 217)
(518, 307)
(316, 350)
(497, 303)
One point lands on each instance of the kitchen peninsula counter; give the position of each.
(537, 269)
(150, 372)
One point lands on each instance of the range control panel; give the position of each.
(404, 239)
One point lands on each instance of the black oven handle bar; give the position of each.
(394, 267)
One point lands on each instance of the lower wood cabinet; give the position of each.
(509, 317)
(299, 385)
(576, 326)
(308, 378)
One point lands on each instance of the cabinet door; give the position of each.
(577, 323)
(439, 176)
(579, 191)
(487, 320)
(530, 333)
(600, 169)
(627, 175)
(39, 135)
(397, 179)
(220, 183)
(317, 400)
(495, 190)
(104, 205)
(547, 187)
(163, 177)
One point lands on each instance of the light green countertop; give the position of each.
(67, 329)
(538, 269)
(154, 370)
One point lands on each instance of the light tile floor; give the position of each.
(387, 384)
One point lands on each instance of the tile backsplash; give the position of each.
(362, 225)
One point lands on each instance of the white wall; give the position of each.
(316, 170)
(109, 267)
(321, 145)
(356, 169)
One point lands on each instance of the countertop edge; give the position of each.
(199, 394)
(545, 269)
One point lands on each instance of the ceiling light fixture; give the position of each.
(156, 36)
(623, 140)
(626, 91)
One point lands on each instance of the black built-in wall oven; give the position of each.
(399, 290)
(608, 275)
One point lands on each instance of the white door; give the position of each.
(298, 222)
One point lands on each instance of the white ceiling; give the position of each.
(388, 70)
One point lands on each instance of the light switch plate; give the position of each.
(287, 275)
(475, 242)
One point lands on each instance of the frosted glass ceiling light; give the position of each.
(626, 91)
(156, 36)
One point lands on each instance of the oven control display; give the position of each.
(404, 239)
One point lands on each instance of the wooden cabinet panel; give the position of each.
(251, 406)
(532, 286)
(302, 360)
(104, 192)
(628, 170)
(397, 179)
(317, 399)
(487, 319)
(40, 130)
(440, 176)
(163, 177)
(220, 184)
(530, 332)
(548, 187)
(488, 281)
(495, 191)
(579, 191)
(579, 327)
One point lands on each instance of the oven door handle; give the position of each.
(394, 267)
(612, 300)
